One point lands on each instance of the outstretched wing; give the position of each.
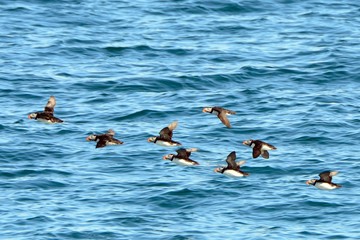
(223, 118)
(102, 142)
(173, 125)
(49, 108)
(182, 153)
(327, 176)
(110, 132)
(166, 133)
(231, 161)
(256, 152)
(227, 111)
(265, 154)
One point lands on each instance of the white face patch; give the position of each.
(252, 145)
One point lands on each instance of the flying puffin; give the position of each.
(259, 148)
(165, 136)
(324, 183)
(104, 139)
(48, 114)
(233, 168)
(221, 113)
(182, 157)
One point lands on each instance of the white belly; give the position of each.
(166, 144)
(183, 162)
(233, 173)
(324, 186)
(43, 120)
(265, 147)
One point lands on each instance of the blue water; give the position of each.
(290, 69)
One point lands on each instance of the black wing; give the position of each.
(110, 132)
(325, 176)
(183, 154)
(231, 161)
(101, 143)
(166, 133)
(49, 108)
(223, 118)
(257, 148)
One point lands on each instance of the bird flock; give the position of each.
(182, 156)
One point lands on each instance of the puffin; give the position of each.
(259, 148)
(104, 139)
(324, 183)
(182, 157)
(233, 168)
(48, 114)
(165, 136)
(221, 113)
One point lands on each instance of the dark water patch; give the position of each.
(81, 42)
(40, 184)
(120, 50)
(106, 235)
(101, 87)
(313, 139)
(268, 170)
(314, 203)
(147, 113)
(33, 173)
(79, 51)
(39, 219)
(18, 9)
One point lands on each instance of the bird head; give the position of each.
(32, 115)
(91, 137)
(247, 142)
(151, 139)
(168, 157)
(311, 182)
(207, 109)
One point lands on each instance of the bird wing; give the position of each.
(102, 142)
(227, 111)
(49, 108)
(117, 141)
(256, 152)
(240, 163)
(190, 150)
(265, 154)
(182, 153)
(327, 176)
(231, 161)
(110, 132)
(223, 118)
(173, 125)
(166, 133)
(217, 109)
